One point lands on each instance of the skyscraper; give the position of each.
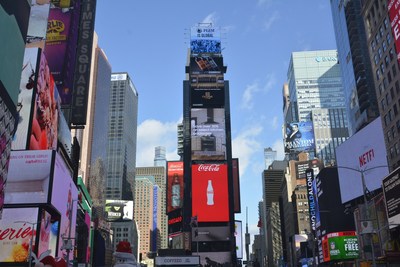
(315, 87)
(358, 82)
(122, 134)
(269, 156)
(159, 157)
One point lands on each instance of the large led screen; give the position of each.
(28, 177)
(205, 40)
(25, 97)
(119, 210)
(302, 166)
(340, 246)
(210, 197)
(299, 136)
(364, 153)
(211, 96)
(239, 239)
(65, 199)
(16, 232)
(393, 10)
(174, 185)
(206, 65)
(208, 136)
(44, 129)
(38, 23)
(391, 189)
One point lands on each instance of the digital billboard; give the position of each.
(340, 246)
(64, 197)
(208, 97)
(28, 177)
(38, 23)
(391, 189)
(43, 134)
(393, 10)
(299, 136)
(206, 65)
(16, 231)
(210, 196)
(364, 153)
(25, 97)
(205, 39)
(302, 166)
(236, 185)
(312, 199)
(119, 210)
(239, 239)
(174, 185)
(208, 136)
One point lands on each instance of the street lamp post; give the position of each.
(68, 246)
(366, 211)
(30, 240)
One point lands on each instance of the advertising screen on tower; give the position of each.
(210, 196)
(393, 10)
(364, 153)
(239, 239)
(205, 40)
(340, 246)
(174, 185)
(208, 136)
(391, 189)
(119, 210)
(299, 136)
(207, 97)
(206, 65)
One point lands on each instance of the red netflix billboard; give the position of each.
(210, 197)
(393, 10)
(174, 185)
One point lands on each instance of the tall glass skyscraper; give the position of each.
(122, 136)
(315, 84)
(269, 156)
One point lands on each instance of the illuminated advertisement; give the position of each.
(43, 134)
(210, 197)
(28, 177)
(340, 246)
(391, 189)
(83, 62)
(16, 233)
(175, 220)
(207, 97)
(65, 199)
(302, 166)
(393, 10)
(119, 77)
(25, 97)
(221, 258)
(174, 185)
(208, 136)
(239, 239)
(299, 136)
(38, 23)
(119, 210)
(155, 218)
(206, 65)
(364, 153)
(236, 185)
(205, 39)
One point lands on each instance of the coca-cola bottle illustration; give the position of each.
(210, 194)
(175, 192)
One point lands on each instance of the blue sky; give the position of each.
(149, 40)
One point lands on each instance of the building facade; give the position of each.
(122, 134)
(269, 156)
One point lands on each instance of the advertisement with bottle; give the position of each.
(175, 185)
(208, 136)
(210, 197)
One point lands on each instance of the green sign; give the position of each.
(343, 247)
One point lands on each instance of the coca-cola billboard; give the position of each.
(174, 185)
(210, 197)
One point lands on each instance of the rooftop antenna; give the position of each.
(247, 238)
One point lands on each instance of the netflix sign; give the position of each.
(393, 10)
(210, 197)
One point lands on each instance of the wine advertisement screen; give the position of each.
(175, 185)
(210, 197)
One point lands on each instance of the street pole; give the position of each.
(68, 249)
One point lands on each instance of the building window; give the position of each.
(380, 52)
(378, 74)
(391, 53)
(386, 23)
(373, 45)
(384, 46)
(381, 31)
(388, 38)
(382, 68)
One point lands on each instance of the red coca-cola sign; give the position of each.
(208, 167)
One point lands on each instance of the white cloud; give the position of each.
(245, 145)
(254, 88)
(153, 133)
(271, 19)
(211, 18)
